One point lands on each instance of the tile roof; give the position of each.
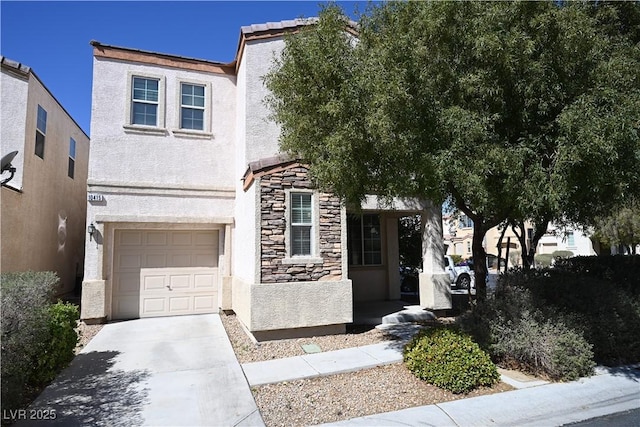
(276, 26)
(96, 43)
(24, 69)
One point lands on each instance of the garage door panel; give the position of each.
(156, 238)
(180, 304)
(181, 238)
(127, 283)
(154, 283)
(130, 238)
(206, 259)
(206, 238)
(127, 306)
(127, 260)
(189, 291)
(154, 306)
(155, 260)
(204, 281)
(204, 303)
(164, 272)
(180, 260)
(180, 281)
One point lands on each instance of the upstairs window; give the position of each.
(41, 131)
(364, 237)
(72, 158)
(465, 222)
(301, 224)
(571, 240)
(192, 106)
(144, 109)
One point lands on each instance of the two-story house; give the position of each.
(195, 209)
(44, 205)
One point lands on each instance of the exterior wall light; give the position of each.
(91, 230)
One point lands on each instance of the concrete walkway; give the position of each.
(351, 359)
(534, 402)
(178, 371)
(609, 391)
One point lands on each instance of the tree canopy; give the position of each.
(511, 110)
(621, 228)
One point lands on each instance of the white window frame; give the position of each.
(205, 133)
(159, 128)
(314, 257)
(40, 131)
(71, 169)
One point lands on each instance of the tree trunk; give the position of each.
(479, 260)
(504, 230)
(521, 234)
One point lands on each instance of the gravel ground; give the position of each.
(248, 351)
(336, 397)
(356, 394)
(85, 334)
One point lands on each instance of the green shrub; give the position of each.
(56, 353)
(595, 299)
(38, 337)
(623, 270)
(543, 260)
(449, 359)
(25, 298)
(543, 347)
(560, 320)
(562, 254)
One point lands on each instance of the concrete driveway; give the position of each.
(178, 371)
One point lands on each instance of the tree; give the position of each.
(500, 108)
(622, 228)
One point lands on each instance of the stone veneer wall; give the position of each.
(273, 229)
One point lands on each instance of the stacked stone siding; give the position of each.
(273, 230)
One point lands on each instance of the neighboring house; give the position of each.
(458, 237)
(44, 206)
(196, 210)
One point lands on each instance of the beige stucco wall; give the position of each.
(276, 306)
(43, 227)
(261, 133)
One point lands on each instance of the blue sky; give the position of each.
(53, 37)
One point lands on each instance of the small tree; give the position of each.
(621, 228)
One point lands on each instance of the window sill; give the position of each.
(302, 260)
(196, 134)
(149, 130)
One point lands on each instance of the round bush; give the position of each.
(449, 359)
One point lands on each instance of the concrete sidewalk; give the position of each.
(609, 391)
(349, 360)
(534, 402)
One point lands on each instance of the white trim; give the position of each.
(162, 220)
(160, 124)
(190, 133)
(206, 131)
(315, 228)
(299, 259)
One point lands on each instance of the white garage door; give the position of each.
(164, 273)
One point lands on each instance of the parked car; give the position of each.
(461, 276)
